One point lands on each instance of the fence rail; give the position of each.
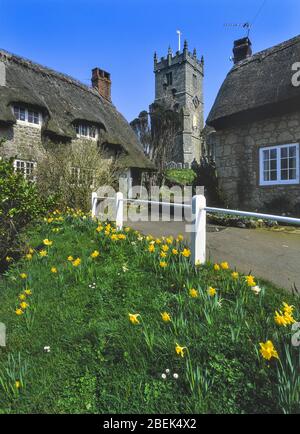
(199, 210)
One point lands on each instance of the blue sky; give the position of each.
(121, 36)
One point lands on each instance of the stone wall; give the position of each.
(22, 141)
(237, 159)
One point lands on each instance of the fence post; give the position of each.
(94, 204)
(199, 230)
(119, 211)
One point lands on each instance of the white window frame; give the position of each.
(279, 181)
(26, 121)
(76, 173)
(24, 170)
(80, 127)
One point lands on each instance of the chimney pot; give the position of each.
(102, 82)
(242, 49)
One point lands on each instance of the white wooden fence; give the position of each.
(199, 210)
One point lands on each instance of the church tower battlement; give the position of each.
(179, 84)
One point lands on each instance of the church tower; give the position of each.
(179, 85)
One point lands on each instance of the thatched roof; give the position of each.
(63, 101)
(259, 86)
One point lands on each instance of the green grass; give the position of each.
(99, 362)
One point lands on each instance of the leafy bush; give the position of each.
(181, 177)
(20, 204)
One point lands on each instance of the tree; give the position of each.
(157, 132)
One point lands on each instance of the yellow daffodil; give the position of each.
(180, 350)
(24, 305)
(50, 220)
(289, 319)
(43, 253)
(22, 296)
(151, 248)
(28, 291)
(133, 318)
(268, 351)
(47, 242)
(175, 252)
(163, 264)
(28, 256)
(250, 281)
(288, 309)
(19, 312)
(95, 254)
(217, 267)
(23, 276)
(235, 275)
(169, 240)
(70, 258)
(127, 229)
(76, 262)
(114, 237)
(17, 384)
(122, 237)
(8, 259)
(224, 266)
(180, 237)
(193, 293)
(211, 291)
(158, 241)
(165, 317)
(165, 248)
(186, 253)
(53, 270)
(163, 255)
(99, 228)
(31, 251)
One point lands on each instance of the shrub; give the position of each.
(20, 204)
(73, 172)
(181, 177)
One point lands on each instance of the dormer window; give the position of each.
(28, 116)
(86, 131)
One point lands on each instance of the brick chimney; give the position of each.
(101, 81)
(242, 49)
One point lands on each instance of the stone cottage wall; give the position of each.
(22, 141)
(237, 159)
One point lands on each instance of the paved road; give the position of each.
(273, 256)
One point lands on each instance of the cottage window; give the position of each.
(279, 165)
(29, 116)
(81, 176)
(86, 131)
(25, 167)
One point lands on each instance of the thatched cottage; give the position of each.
(256, 116)
(38, 105)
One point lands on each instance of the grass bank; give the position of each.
(106, 322)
